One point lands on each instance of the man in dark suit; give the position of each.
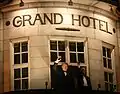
(83, 81)
(63, 77)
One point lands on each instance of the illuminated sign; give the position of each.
(57, 18)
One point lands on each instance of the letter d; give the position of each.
(56, 18)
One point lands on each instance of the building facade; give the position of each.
(33, 35)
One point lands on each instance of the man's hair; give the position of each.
(65, 63)
(82, 68)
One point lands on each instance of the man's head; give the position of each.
(64, 66)
(83, 70)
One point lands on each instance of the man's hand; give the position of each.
(78, 64)
(58, 59)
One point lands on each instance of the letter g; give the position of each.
(17, 22)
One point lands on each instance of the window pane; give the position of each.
(53, 45)
(106, 86)
(111, 77)
(108, 53)
(24, 57)
(24, 72)
(73, 58)
(72, 46)
(16, 73)
(104, 62)
(17, 85)
(109, 64)
(53, 56)
(104, 52)
(16, 58)
(24, 46)
(105, 76)
(62, 54)
(16, 47)
(80, 47)
(111, 87)
(24, 83)
(61, 45)
(81, 57)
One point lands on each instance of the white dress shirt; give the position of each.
(65, 73)
(85, 81)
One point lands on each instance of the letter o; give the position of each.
(88, 20)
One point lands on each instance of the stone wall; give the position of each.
(39, 35)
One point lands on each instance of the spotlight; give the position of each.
(70, 2)
(21, 3)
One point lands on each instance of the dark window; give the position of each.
(62, 54)
(24, 83)
(24, 46)
(16, 47)
(18, 78)
(53, 45)
(57, 48)
(107, 58)
(24, 57)
(20, 70)
(108, 53)
(53, 56)
(16, 58)
(111, 87)
(72, 46)
(71, 51)
(80, 47)
(61, 45)
(73, 57)
(16, 73)
(76, 52)
(106, 76)
(81, 57)
(17, 84)
(111, 77)
(106, 86)
(109, 64)
(104, 52)
(73, 69)
(19, 56)
(104, 62)
(24, 72)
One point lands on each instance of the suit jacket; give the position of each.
(80, 82)
(63, 82)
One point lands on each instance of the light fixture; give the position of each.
(70, 2)
(21, 3)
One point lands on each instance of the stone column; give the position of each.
(117, 53)
(39, 65)
(6, 57)
(1, 53)
(95, 63)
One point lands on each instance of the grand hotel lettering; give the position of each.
(52, 18)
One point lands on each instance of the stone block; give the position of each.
(40, 62)
(94, 44)
(38, 41)
(39, 73)
(95, 54)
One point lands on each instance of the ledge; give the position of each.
(58, 4)
(48, 91)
